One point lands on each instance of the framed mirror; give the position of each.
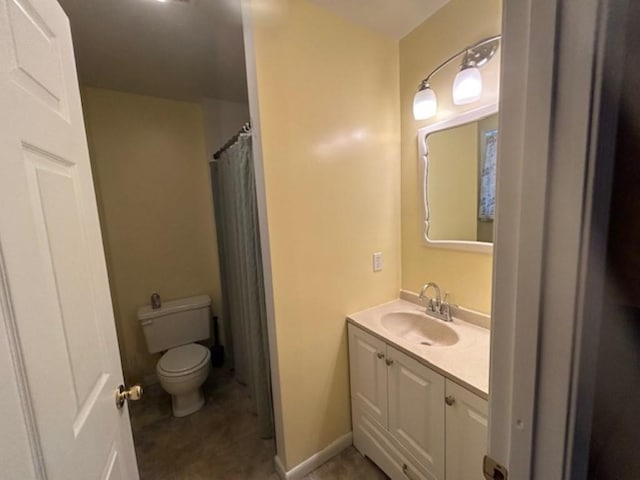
(458, 161)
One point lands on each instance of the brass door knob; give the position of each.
(449, 400)
(389, 362)
(131, 393)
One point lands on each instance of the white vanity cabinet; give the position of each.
(401, 417)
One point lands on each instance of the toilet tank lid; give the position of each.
(174, 306)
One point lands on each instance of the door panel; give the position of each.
(467, 432)
(35, 54)
(55, 301)
(416, 410)
(368, 373)
(55, 206)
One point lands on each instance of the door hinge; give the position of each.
(493, 470)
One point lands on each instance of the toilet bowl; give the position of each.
(181, 372)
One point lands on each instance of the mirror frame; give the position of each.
(423, 154)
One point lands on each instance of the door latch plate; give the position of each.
(493, 470)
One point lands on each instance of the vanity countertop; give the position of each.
(466, 362)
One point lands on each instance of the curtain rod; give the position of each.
(246, 128)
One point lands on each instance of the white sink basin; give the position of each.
(420, 329)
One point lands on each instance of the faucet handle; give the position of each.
(445, 308)
(446, 295)
(444, 301)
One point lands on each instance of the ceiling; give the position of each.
(394, 18)
(190, 49)
(180, 49)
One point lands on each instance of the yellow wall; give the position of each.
(329, 113)
(453, 183)
(152, 180)
(456, 25)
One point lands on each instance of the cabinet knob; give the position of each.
(380, 355)
(389, 361)
(449, 400)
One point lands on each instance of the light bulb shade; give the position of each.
(467, 86)
(425, 104)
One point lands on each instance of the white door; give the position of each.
(58, 351)
(557, 145)
(466, 434)
(367, 355)
(416, 410)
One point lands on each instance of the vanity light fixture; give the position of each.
(467, 86)
(425, 103)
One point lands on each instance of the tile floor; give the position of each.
(220, 441)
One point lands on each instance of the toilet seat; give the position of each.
(183, 360)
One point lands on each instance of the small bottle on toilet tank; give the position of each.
(155, 301)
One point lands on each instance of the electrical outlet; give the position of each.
(377, 261)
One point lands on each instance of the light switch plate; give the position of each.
(377, 261)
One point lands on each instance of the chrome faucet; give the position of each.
(437, 300)
(436, 307)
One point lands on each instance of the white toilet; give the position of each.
(185, 365)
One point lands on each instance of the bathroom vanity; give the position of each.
(419, 389)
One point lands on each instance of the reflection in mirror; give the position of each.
(461, 181)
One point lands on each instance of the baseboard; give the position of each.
(314, 461)
(282, 473)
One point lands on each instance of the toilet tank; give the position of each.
(176, 322)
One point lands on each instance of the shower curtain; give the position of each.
(236, 211)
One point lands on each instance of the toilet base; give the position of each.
(187, 403)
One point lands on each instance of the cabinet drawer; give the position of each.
(376, 443)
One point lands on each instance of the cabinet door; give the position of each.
(466, 420)
(416, 410)
(367, 356)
